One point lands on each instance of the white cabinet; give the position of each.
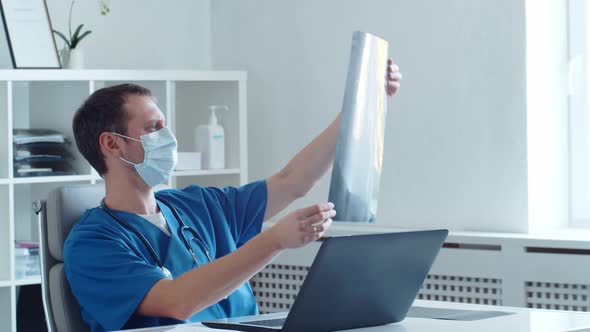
(49, 99)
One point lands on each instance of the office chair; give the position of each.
(64, 206)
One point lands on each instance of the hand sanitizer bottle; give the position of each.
(210, 140)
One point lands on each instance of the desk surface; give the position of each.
(523, 320)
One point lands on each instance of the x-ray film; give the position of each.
(354, 187)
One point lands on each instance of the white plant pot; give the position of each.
(72, 58)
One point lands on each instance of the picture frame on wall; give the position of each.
(29, 34)
(5, 59)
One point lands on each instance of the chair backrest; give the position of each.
(64, 206)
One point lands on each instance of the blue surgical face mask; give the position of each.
(160, 156)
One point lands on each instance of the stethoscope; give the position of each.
(181, 234)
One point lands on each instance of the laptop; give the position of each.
(354, 281)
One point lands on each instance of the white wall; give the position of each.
(456, 146)
(140, 34)
(456, 150)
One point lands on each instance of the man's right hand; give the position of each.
(302, 226)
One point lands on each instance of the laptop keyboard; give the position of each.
(267, 322)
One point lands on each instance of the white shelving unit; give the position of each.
(49, 99)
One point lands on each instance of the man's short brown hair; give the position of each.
(102, 111)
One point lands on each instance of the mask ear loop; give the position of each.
(125, 136)
(131, 138)
(127, 161)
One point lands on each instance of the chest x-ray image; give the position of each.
(354, 187)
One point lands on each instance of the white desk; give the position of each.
(523, 320)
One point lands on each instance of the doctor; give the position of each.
(145, 259)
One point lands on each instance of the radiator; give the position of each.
(509, 273)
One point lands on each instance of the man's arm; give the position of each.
(201, 287)
(310, 164)
(303, 171)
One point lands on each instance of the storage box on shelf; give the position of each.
(37, 99)
(26, 262)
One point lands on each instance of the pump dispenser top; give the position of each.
(213, 113)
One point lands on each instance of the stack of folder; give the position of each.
(41, 152)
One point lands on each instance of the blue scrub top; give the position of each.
(110, 270)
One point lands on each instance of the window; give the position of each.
(579, 117)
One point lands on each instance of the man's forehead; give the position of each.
(142, 108)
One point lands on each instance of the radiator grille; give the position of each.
(559, 296)
(277, 285)
(462, 289)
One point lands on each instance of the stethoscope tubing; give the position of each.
(182, 227)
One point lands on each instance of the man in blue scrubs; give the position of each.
(128, 261)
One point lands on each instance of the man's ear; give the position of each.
(109, 145)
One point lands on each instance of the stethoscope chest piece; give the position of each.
(167, 273)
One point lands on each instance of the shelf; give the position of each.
(34, 280)
(205, 172)
(50, 179)
(34, 99)
(121, 75)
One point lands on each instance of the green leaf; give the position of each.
(76, 33)
(80, 38)
(63, 37)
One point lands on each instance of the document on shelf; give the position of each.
(24, 136)
(33, 170)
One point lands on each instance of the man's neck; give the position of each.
(129, 194)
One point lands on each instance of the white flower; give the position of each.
(104, 6)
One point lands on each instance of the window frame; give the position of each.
(579, 112)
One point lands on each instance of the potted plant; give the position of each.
(71, 54)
